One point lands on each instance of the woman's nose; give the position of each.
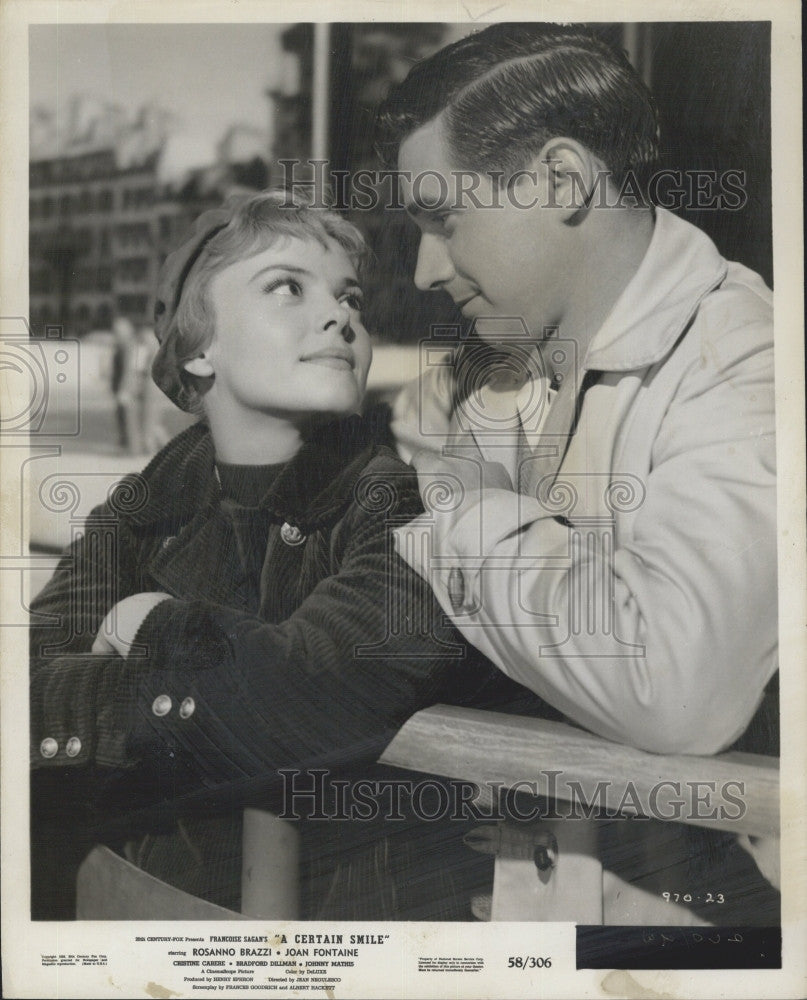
(434, 266)
(338, 318)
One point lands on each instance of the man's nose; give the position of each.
(434, 266)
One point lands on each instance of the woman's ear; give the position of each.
(200, 366)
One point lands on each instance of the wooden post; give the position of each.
(111, 888)
(548, 871)
(269, 876)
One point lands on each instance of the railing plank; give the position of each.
(734, 791)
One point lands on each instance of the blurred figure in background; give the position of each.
(124, 333)
(147, 397)
(139, 432)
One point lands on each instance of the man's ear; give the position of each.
(200, 366)
(576, 178)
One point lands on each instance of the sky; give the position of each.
(209, 76)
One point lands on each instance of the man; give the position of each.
(608, 536)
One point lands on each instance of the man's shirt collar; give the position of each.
(681, 266)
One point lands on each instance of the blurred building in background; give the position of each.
(90, 239)
(101, 221)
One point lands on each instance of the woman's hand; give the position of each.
(123, 621)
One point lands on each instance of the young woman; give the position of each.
(238, 609)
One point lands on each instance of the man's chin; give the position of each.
(501, 331)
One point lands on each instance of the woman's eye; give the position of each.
(354, 300)
(285, 286)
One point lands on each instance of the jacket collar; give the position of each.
(311, 490)
(681, 266)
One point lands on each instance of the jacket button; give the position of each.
(456, 589)
(49, 747)
(291, 534)
(187, 708)
(161, 704)
(73, 747)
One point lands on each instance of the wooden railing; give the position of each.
(485, 747)
(551, 869)
(548, 870)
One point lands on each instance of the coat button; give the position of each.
(291, 534)
(73, 747)
(49, 747)
(161, 704)
(187, 708)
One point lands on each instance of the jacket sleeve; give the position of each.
(665, 639)
(66, 679)
(233, 698)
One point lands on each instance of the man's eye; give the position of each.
(284, 286)
(441, 221)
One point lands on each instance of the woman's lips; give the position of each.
(337, 360)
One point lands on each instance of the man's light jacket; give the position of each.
(639, 597)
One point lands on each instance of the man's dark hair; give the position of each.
(505, 91)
